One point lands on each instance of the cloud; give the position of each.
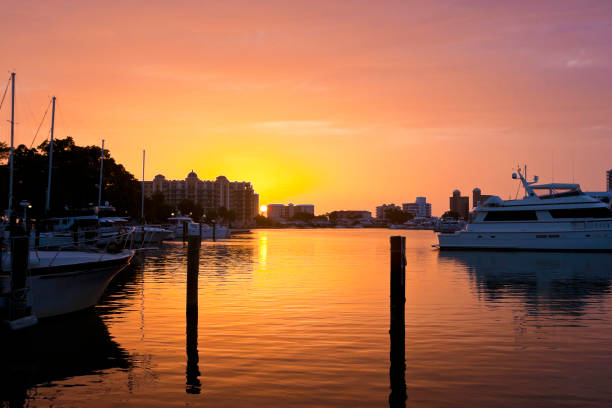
(305, 128)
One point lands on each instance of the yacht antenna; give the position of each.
(10, 203)
(48, 202)
(101, 169)
(527, 185)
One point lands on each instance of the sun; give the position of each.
(263, 208)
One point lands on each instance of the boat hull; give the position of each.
(595, 241)
(57, 289)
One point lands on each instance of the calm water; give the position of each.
(299, 318)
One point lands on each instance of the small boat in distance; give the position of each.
(562, 219)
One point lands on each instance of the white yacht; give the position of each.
(562, 219)
(61, 282)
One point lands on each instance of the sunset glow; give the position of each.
(427, 98)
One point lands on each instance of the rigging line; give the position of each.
(40, 125)
(4, 94)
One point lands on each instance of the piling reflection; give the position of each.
(397, 326)
(545, 282)
(54, 350)
(193, 384)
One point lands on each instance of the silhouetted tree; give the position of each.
(74, 178)
(397, 216)
(451, 214)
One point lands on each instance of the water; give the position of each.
(300, 318)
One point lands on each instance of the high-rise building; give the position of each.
(478, 198)
(420, 208)
(238, 196)
(609, 180)
(285, 212)
(460, 204)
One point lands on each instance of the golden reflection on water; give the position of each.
(300, 318)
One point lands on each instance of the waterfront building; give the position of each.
(420, 208)
(609, 180)
(284, 212)
(238, 196)
(382, 209)
(351, 216)
(460, 204)
(479, 198)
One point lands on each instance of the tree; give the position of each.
(188, 207)
(210, 216)
(303, 216)
(5, 152)
(74, 179)
(262, 221)
(397, 216)
(451, 214)
(156, 208)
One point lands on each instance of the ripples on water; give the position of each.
(299, 318)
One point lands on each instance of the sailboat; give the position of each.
(38, 284)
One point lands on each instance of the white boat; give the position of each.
(562, 219)
(176, 227)
(61, 282)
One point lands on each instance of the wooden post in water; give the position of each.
(397, 330)
(193, 265)
(214, 238)
(184, 231)
(20, 315)
(193, 384)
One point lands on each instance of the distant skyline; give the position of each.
(344, 105)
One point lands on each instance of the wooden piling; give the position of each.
(20, 254)
(184, 231)
(397, 330)
(214, 237)
(193, 264)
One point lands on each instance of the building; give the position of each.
(382, 209)
(280, 212)
(609, 180)
(420, 208)
(237, 196)
(479, 198)
(460, 205)
(351, 216)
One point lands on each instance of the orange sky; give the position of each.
(344, 105)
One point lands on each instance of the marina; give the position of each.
(301, 318)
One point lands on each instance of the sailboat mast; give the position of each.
(101, 169)
(10, 203)
(143, 189)
(48, 202)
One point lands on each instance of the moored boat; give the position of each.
(563, 219)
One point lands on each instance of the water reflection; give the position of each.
(553, 282)
(54, 350)
(193, 384)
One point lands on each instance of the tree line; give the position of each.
(74, 184)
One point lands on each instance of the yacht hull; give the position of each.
(57, 289)
(596, 241)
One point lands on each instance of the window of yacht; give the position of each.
(511, 216)
(599, 212)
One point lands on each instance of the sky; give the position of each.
(340, 104)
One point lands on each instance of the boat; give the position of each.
(449, 225)
(60, 282)
(176, 226)
(563, 218)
